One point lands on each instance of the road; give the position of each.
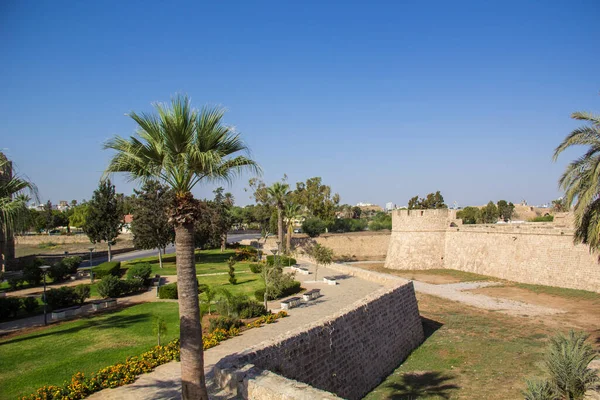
(170, 249)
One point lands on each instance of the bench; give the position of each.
(301, 270)
(330, 280)
(311, 294)
(66, 312)
(104, 303)
(291, 303)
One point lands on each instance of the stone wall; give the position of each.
(535, 253)
(348, 353)
(348, 246)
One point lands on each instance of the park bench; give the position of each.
(103, 303)
(311, 294)
(66, 312)
(291, 303)
(301, 270)
(330, 280)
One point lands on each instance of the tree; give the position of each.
(290, 213)
(182, 147)
(581, 180)
(431, 201)
(79, 215)
(469, 215)
(159, 326)
(356, 211)
(231, 263)
(48, 217)
(313, 227)
(278, 193)
(559, 205)
(150, 226)
(105, 218)
(489, 213)
(317, 199)
(505, 210)
(223, 220)
(322, 255)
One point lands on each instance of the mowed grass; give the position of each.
(51, 356)
(561, 292)
(469, 354)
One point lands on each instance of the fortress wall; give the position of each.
(348, 353)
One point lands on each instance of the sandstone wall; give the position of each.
(58, 239)
(535, 253)
(347, 354)
(350, 246)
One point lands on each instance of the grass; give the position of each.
(561, 292)
(53, 355)
(459, 275)
(468, 354)
(247, 283)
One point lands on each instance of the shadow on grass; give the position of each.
(420, 385)
(430, 326)
(113, 321)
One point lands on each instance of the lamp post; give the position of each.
(45, 269)
(91, 249)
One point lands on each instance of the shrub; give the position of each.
(32, 272)
(131, 286)
(82, 292)
(110, 286)
(290, 288)
(313, 227)
(245, 253)
(58, 272)
(141, 271)
(9, 307)
(168, 291)
(30, 304)
(282, 260)
(256, 268)
(14, 283)
(108, 268)
(72, 263)
(61, 297)
(539, 390)
(231, 263)
(252, 309)
(545, 218)
(224, 323)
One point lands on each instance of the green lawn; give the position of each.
(247, 283)
(53, 355)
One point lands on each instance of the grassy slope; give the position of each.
(85, 345)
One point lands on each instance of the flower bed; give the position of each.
(124, 373)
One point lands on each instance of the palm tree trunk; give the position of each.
(288, 239)
(193, 385)
(279, 226)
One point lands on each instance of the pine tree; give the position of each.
(104, 219)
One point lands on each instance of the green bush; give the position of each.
(260, 295)
(245, 253)
(61, 297)
(30, 304)
(9, 307)
(58, 272)
(72, 263)
(131, 286)
(82, 292)
(141, 271)
(168, 291)
(290, 288)
(224, 323)
(251, 309)
(110, 286)
(108, 268)
(313, 227)
(341, 225)
(545, 218)
(256, 268)
(32, 272)
(14, 283)
(282, 260)
(539, 390)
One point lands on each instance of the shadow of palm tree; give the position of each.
(417, 385)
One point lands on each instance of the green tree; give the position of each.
(79, 215)
(182, 147)
(105, 218)
(505, 210)
(48, 216)
(489, 213)
(150, 226)
(313, 227)
(431, 201)
(223, 219)
(278, 193)
(559, 205)
(290, 213)
(317, 199)
(469, 215)
(581, 180)
(321, 255)
(231, 263)
(159, 326)
(356, 212)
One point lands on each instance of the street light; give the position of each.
(91, 249)
(45, 269)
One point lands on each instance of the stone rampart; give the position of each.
(535, 253)
(348, 353)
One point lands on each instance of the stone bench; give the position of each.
(104, 303)
(66, 312)
(311, 294)
(330, 280)
(301, 270)
(291, 303)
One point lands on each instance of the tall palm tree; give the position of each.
(581, 179)
(13, 206)
(182, 147)
(278, 193)
(290, 212)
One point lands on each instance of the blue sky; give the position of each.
(383, 100)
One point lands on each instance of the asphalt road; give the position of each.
(170, 249)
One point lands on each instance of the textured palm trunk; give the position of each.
(288, 240)
(193, 385)
(279, 227)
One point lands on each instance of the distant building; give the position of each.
(390, 206)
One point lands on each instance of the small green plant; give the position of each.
(71, 263)
(539, 390)
(545, 218)
(141, 271)
(110, 286)
(82, 292)
(321, 255)
(47, 245)
(230, 263)
(168, 291)
(159, 326)
(209, 294)
(30, 304)
(224, 323)
(256, 268)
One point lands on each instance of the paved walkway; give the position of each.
(165, 381)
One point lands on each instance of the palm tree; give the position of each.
(290, 212)
(581, 179)
(182, 147)
(278, 192)
(13, 206)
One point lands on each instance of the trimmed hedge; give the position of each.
(256, 268)
(284, 261)
(108, 268)
(62, 297)
(224, 323)
(141, 271)
(111, 286)
(168, 291)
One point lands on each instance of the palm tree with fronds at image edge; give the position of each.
(181, 147)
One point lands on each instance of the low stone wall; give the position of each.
(58, 239)
(348, 353)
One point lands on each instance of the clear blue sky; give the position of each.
(383, 100)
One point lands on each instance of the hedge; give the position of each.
(168, 291)
(108, 268)
(283, 261)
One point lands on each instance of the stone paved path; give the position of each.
(164, 382)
